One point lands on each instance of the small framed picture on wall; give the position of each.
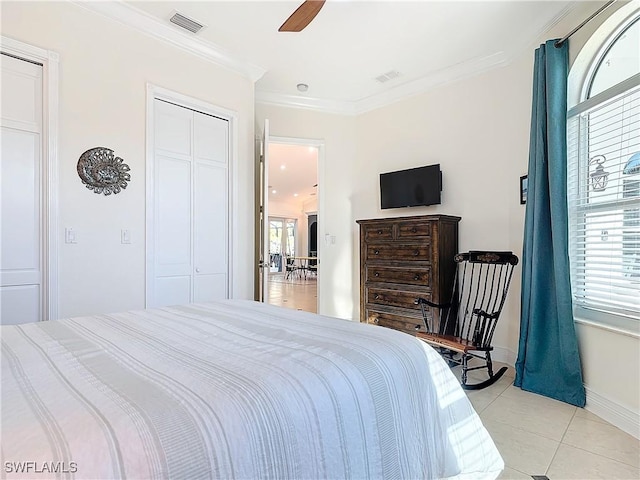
(524, 184)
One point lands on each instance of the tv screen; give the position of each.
(411, 188)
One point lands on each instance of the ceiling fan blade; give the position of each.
(302, 16)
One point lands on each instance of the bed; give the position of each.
(235, 390)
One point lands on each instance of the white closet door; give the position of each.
(190, 206)
(21, 273)
(210, 208)
(172, 187)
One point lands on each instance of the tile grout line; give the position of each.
(603, 456)
(561, 441)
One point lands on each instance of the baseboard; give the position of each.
(604, 407)
(504, 355)
(614, 413)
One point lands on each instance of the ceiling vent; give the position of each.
(186, 23)
(385, 77)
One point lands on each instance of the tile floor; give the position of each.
(536, 435)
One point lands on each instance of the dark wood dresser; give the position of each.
(401, 259)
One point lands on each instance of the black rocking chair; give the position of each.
(463, 328)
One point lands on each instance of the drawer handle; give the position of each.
(376, 296)
(417, 327)
(414, 230)
(377, 274)
(416, 253)
(416, 277)
(376, 252)
(379, 232)
(375, 319)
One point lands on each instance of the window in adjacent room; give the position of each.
(604, 184)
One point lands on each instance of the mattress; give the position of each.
(235, 390)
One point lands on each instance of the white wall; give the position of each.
(104, 69)
(478, 130)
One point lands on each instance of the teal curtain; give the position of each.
(548, 359)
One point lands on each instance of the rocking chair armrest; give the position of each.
(419, 301)
(482, 313)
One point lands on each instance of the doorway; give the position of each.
(293, 191)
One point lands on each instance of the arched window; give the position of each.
(603, 176)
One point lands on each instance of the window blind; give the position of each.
(604, 204)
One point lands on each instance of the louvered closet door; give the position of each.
(21, 275)
(190, 206)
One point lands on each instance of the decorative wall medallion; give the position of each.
(101, 171)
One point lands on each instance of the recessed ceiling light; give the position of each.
(273, 191)
(282, 167)
(295, 194)
(302, 87)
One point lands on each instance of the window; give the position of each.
(603, 178)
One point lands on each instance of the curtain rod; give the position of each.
(601, 9)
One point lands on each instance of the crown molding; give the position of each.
(141, 21)
(418, 86)
(523, 45)
(387, 97)
(149, 25)
(340, 107)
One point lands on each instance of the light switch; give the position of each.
(69, 235)
(125, 236)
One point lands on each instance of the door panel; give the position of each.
(173, 290)
(21, 273)
(210, 239)
(211, 138)
(21, 93)
(173, 129)
(210, 287)
(173, 200)
(20, 304)
(20, 220)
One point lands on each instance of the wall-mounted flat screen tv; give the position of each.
(411, 188)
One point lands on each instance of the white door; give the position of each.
(191, 221)
(264, 218)
(21, 271)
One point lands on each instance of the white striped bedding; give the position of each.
(233, 390)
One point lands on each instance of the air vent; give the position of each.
(385, 77)
(186, 23)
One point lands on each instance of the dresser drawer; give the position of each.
(399, 252)
(400, 322)
(395, 298)
(378, 232)
(420, 276)
(413, 230)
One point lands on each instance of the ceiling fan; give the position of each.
(302, 16)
